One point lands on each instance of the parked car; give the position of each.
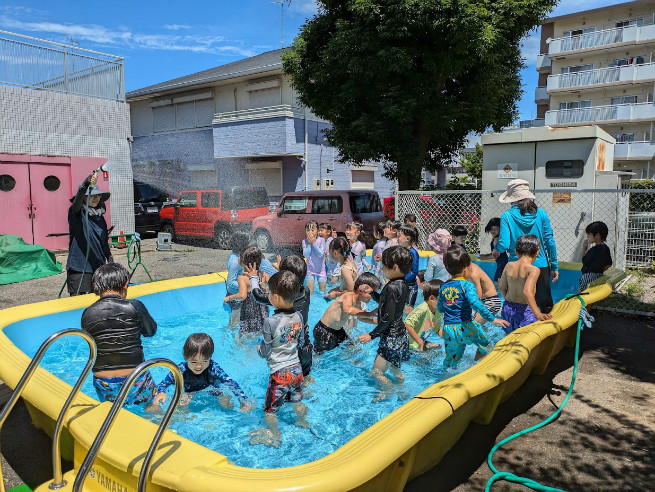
(434, 213)
(214, 214)
(286, 225)
(148, 201)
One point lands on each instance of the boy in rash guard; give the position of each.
(200, 371)
(297, 266)
(394, 340)
(457, 298)
(117, 325)
(281, 334)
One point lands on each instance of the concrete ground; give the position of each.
(603, 440)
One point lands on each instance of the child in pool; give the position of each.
(518, 284)
(297, 266)
(329, 332)
(117, 325)
(313, 249)
(200, 371)
(281, 335)
(376, 256)
(425, 318)
(485, 289)
(456, 298)
(597, 259)
(391, 229)
(459, 234)
(357, 246)
(331, 268)
(493, 228)
(409, 220)
(252, 313)
(340, 254)
(393, 349)
(407, 238)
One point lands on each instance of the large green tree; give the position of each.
(404, 81)
(472, 162)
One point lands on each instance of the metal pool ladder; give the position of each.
(58, 480)
(113, 412)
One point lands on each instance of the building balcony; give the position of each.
(619, 113)
(611, 76)
(541, 95)
(606, 39)
(543, 63)
(282, 110)
(634, 151)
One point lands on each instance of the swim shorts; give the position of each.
(394, 349)
(492, 303)
(326, 338)
(143, 390)
(518, 315)
(586, 279)
(457, 336)
(283, 385)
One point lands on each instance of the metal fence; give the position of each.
(34, 63)
(629, 215)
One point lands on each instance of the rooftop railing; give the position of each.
(33, 63)
(604, 37)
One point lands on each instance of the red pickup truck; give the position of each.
(214, 214)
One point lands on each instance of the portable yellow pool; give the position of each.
(401, 446)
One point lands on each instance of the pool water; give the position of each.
(342, 401)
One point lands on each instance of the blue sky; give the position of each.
(167, 39)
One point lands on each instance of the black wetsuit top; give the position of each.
(300, 305)
(116, 325)
(391, 307)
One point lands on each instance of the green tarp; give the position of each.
(21, 261)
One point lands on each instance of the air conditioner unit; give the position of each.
(317, 184)
(328, 184)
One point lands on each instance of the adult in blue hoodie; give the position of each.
(524, 217)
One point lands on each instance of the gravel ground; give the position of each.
(604, 440)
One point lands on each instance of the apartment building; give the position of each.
(597, 67)
(238, 124)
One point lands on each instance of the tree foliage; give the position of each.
(404, 81)
(472, 162)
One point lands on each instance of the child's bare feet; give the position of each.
(265, 437)
(380, 377)
(430, 346)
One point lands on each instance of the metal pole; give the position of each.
(306, 152)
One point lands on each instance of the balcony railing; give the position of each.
(618, 112)
(596, 39)
(543, 63)
(34, 63)
(611, 75)
(634, 150)
(541, 94)
(259, 113)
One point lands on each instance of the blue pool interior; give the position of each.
(342, 401)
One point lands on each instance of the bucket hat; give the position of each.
(439, 240)
(517, 189)
(104, 195)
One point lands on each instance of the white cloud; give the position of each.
(175, 27)
(125, 38)
(530, 48)
(304, 7)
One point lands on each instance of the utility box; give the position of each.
(564, 166)
(164, 241)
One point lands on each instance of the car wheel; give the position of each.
(169, 229)
(263, 240)
(222, 237)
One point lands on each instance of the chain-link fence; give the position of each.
(629, 215)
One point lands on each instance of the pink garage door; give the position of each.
(35, 197)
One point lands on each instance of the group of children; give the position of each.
(458, 296)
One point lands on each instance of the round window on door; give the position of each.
(7, 182)
(51, 183)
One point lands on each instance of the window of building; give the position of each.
(578, 32)
(365, 203)
(188, 200)
(633, 60)
(210, 199)
(362, 180)
(7, 182)
(564, 169)
(630, 23)
(575, 104)
(51, 183)
(183, 115)
(577, 68)
(624, 100)
(327, 205)
(624, 137)
(295, 205)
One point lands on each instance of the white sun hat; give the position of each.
(517, 189)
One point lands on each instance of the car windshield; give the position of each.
(147, 193)
(365, 203)
(240, 198)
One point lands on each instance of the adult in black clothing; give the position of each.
(297, 266)
(117, 325)
(86, 236)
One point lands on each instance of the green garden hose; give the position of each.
(510, 477)
(134, 255)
